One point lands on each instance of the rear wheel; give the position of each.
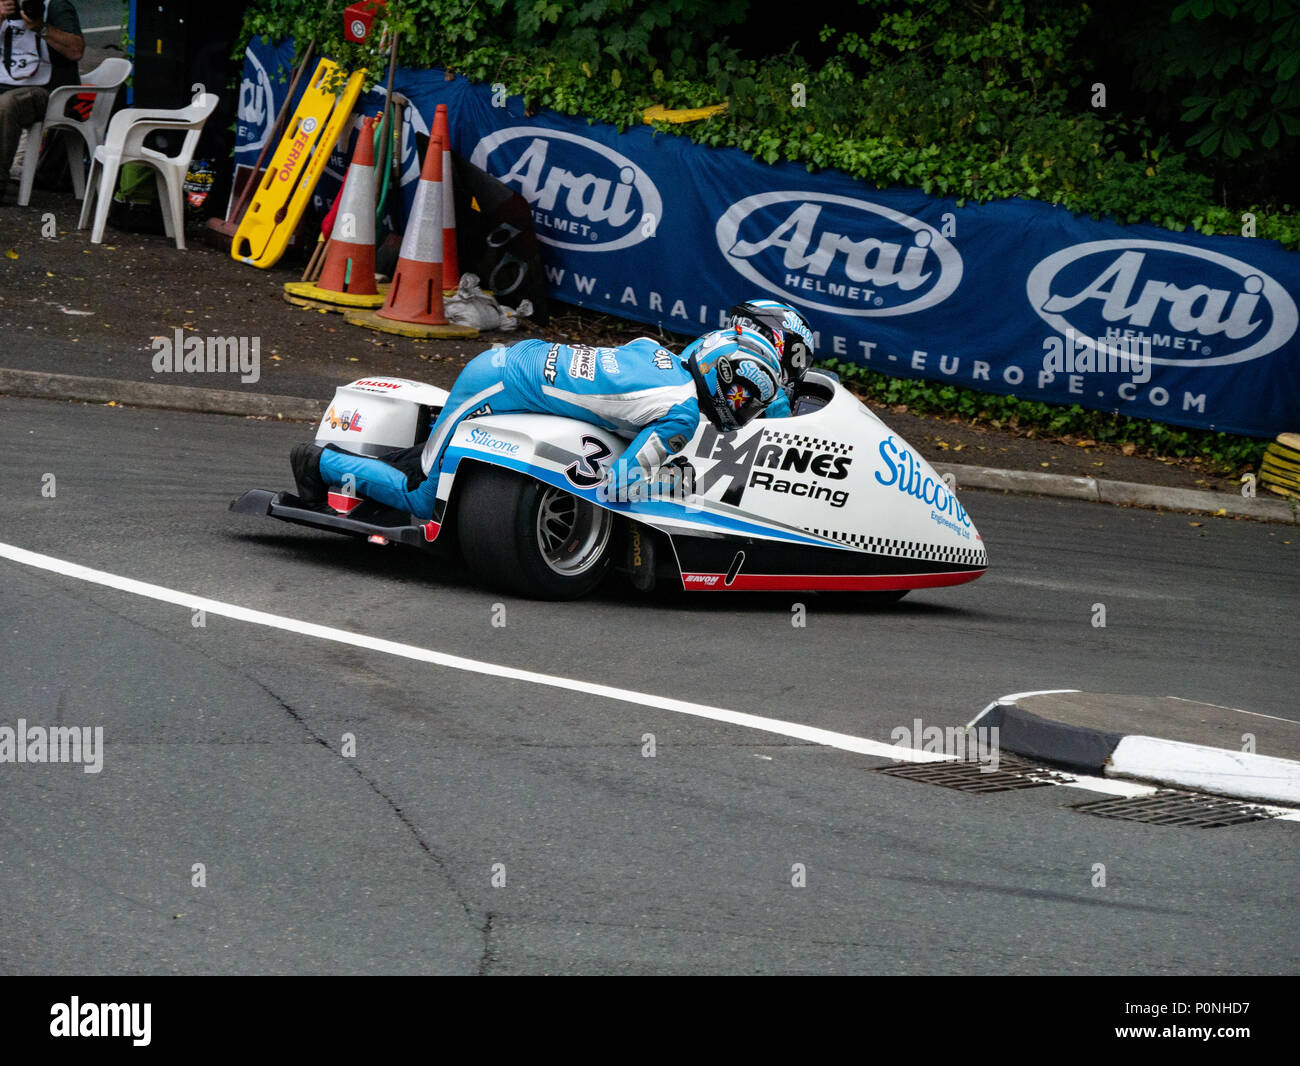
(523, 536)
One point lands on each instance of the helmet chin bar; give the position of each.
(726, 419)
(716, 411)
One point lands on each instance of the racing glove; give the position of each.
(626, 481)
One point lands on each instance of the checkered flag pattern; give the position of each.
(908, 549)
(799, 440)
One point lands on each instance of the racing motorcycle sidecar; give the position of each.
(827, 499)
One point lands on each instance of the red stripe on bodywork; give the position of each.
(827, 582)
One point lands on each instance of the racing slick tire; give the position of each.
(535, 540)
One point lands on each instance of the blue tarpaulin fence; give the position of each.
(1013, 297)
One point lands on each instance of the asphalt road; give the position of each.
(224, 745)
(101, 20)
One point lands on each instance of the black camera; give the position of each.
(33, 9)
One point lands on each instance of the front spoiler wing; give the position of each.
(369, 519)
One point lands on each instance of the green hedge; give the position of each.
(970, 101)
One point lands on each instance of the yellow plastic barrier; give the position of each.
(282, 195)
(659, 113)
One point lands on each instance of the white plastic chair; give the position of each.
(125, 144)
(104, 81)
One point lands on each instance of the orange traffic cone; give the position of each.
(347, 280)
(415, 295)
(414, 304)
(450, 263)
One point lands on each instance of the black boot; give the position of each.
(305, 459)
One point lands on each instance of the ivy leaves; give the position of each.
(969, 101)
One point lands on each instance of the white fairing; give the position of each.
(842, 474)
(377, 413)
(834, 477)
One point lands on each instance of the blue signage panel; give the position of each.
(1013, 297)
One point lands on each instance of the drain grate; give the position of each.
(971, 776)
(1170, 807)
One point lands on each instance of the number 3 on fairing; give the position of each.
(586, 472)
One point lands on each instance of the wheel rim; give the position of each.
(571, 533)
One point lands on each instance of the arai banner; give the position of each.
(1014, 297)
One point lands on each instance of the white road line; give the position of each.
(98, 29)
(794, 730)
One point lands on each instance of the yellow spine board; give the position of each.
(300, 157)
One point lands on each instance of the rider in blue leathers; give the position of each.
(639, 390)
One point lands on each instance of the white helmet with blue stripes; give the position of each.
(737, 374)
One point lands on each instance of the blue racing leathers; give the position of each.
(639, 390)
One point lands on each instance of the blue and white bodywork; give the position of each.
(827, 499)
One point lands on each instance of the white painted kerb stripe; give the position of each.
(1247, 775)
(1010, 701)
